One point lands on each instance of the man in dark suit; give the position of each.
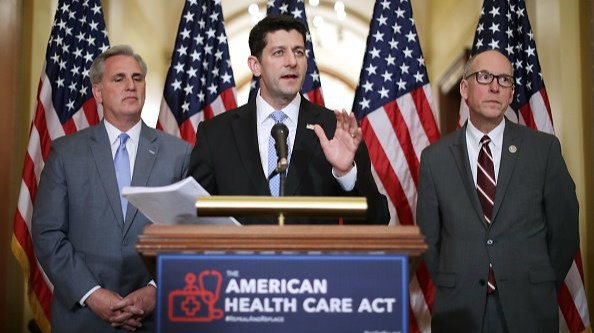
(502, 231)
(83, 239)
(232, 149)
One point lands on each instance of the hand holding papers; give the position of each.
(172, 204)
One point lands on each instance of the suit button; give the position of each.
(489, 242)
(125, 243)
(481, 282)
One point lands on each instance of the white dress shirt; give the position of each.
(265, 123)
(473, 143)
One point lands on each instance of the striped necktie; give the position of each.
(486, 186)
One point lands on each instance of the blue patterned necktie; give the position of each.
(274, 182)
(121, 162)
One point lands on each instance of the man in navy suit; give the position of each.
(326, 153)
(83, 240)
(497, 254)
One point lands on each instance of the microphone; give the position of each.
(280, 132)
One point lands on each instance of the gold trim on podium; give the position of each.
(221, 205)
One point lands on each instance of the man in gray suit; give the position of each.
(502, 231)
(83, 239)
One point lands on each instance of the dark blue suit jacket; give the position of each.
(226, 161)
(532, 240)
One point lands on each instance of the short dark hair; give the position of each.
(272, 23)
(98, 65)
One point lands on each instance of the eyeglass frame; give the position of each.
(493, 77)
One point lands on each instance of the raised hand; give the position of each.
(340, 150)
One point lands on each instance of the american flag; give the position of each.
(65, 104)
(199, 82)
(312, 87)
(504, 25)
(393, 103)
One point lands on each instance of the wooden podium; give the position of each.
(161, 245)
(303, 238)
(158, 239)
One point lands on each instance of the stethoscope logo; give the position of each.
(195, 303)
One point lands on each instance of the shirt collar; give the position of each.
(113, 133)
(263, 109)
(496, 134)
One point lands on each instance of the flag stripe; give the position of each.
(399, 119)
(41, 317)
(574, 283)
(393, 104)
(387, 173)
(423, 99)
(412, 320)
(568, 310)
(315, 96)
(166, 121)
(187, 130)
(64, 105)
(418, 303)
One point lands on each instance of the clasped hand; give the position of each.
(126, 312)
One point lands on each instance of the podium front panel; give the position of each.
(288, 293)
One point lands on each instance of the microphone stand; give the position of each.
(281, 189)
(279, 133)
(281, 186)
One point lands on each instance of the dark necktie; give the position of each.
(121, 161)
(485, 187)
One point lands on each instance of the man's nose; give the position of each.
(130, 84)
(291, 58)
(494, 85)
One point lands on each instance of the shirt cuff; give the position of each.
(347, 181)
(84, 298)
(152, 283)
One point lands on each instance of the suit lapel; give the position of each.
(244, 131)
(509, 155)
(306, 142)
(146, 155)
(101, 150)
(460, 153)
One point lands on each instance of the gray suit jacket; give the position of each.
(78, 235)
(531, 243)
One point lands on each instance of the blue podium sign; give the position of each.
(266, 293)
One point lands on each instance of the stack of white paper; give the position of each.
(172, 204)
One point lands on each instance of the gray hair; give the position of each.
(98, 65)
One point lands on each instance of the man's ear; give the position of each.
(464, 89)
(512, 93)
(254, 65)
(97, 94)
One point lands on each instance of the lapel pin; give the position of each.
(513, 149)
(152, 152)
(309, 127)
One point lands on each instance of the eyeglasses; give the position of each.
(484, 77)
